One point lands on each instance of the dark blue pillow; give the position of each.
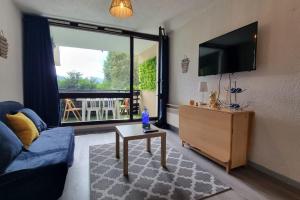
(10, 146)
(38, 122)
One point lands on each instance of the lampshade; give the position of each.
(203, 87)
(121, 8)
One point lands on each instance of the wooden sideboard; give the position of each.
(221, 135)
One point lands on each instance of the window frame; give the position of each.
(113, 31)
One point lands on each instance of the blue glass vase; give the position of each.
(145, 118)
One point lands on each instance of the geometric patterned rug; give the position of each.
(182, 179)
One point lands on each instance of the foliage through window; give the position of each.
(111, 74)
(147, 75)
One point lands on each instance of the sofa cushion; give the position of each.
(8, 107)
(53, 139)
(23, 127)
(52, 147)
(10, 146)
(38, 122)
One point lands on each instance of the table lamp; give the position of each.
(203, 89)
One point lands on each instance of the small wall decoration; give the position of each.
(185, 64)
(3, 45)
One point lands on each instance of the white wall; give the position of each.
(11, 81)
(273, 89)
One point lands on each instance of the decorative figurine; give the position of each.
(192, 102)
(213, 100)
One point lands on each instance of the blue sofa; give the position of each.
(40, 172)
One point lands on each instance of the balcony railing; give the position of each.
(79, 106)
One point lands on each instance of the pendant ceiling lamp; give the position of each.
(121, 8)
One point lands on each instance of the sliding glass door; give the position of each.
(104, 77)
(145, 76)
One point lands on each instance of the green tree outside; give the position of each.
(116, 75)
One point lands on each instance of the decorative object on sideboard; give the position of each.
(203, 89)
(185, 64)
(213, 100)
(3, 46)
(192, 102)
(234, 91)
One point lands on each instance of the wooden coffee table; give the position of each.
(135, 132)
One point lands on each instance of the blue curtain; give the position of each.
(39, 75)
(163, 76)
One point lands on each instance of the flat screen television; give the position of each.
(229, 53)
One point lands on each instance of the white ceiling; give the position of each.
(148, 14)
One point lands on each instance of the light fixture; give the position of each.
(121, 8)
(203, 89)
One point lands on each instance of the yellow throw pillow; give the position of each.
(23, 127)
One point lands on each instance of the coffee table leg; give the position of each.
(117, 145)
(149, 145)
(163, 150)
(125, 157)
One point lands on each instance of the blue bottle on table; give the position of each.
(145, 119)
